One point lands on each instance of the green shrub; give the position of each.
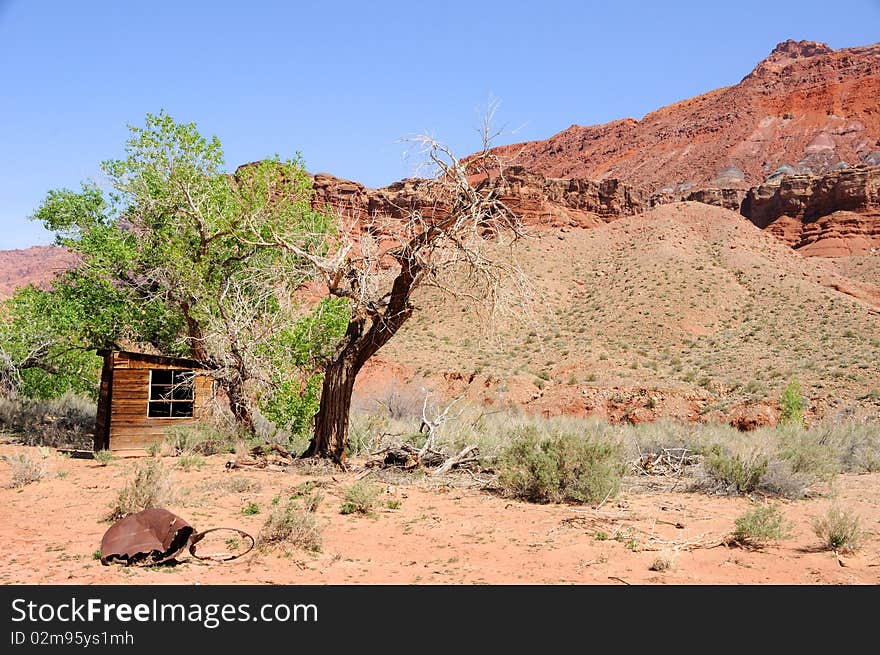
(149, 486)
(734, 473)
(560, 467)
(251, 509)
(187, 461)
(291, 524)
(104, 457)
(762, 524)
(202, 438)
(792, 405)
(360, 498)
(839, 530)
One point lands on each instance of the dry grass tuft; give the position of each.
(149, 486)
(24, 470)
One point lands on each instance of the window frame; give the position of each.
(190, 399)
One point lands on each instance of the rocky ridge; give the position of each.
(831, 215)
(804, 109)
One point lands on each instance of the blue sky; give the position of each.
(342, 82)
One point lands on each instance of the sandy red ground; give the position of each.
(448, 532)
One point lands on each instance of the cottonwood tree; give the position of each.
(43, 350)
(163, 261)
(458, 241)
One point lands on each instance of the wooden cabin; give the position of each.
(143, 395)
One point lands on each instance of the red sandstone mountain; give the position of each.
(36, 265)
(805, 107)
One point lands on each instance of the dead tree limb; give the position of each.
(463, 456)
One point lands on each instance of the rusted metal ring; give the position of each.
(196, 538)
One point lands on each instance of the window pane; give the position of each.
(159, 409)
(161, 376)
(183, 391)
(160, 392)
(180, 409)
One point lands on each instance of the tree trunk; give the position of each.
(331, 422)
(239, 403)
(195, 336)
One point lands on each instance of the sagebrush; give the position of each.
(734, 473)
(25, 470)
(149, 486)
(839, 530)
(360, 498)
(202, 438)
(67, 421)
(560, 467)
(292, 524)
(761, 525)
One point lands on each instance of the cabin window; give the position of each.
(171, 394)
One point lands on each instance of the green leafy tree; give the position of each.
(169, 256)
(792, 405)
(304, 346)
(43, 352)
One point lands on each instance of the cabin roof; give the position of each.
(161, 360)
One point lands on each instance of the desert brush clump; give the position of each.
(290, 523)
(783, 482)
(103, 457)
(856, 440)
(760, 526)
(733, 473)
(202, 438)
(360, 498)
(190, 460)
(839, 530)
(149, 486)
(25, 470)
(235, 485)
(661, 563)
(808, 453)
(560, 467)
(365, 432)
(68, 420)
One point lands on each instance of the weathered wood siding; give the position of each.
(102, 419)
(130, 427)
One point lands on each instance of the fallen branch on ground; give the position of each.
(672, 461)
(407, 456)
(463, 457)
